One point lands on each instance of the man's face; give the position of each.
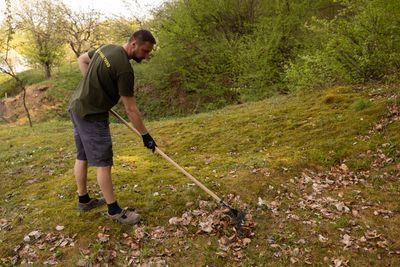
(141, 51)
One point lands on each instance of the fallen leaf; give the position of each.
(344, 167)
(174, 220)
(35, 234)
(206, 226)
(261, 202)
(346, 239)
(246, 241)
(340, 206)
(103, 237)
(322, 238)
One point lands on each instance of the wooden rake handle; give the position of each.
(160, 152)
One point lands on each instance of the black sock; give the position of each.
(84, 198)
(114, 208)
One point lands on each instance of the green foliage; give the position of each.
(192, 62)
(41, 39)
(212, 53)
(115, 30)
(361, 44)
(262, 55)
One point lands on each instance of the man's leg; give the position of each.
(97, 146)
(105, 183)
(80, 168)
(80, 171)
(114, 210)
(85, 203)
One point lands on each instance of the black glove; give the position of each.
(149, 142)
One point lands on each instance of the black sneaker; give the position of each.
(93, 203)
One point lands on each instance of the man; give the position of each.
(107, 77)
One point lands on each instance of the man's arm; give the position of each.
(83, 61)
(133, 113)
(136, 119)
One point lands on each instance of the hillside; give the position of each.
(319, 170)
(46, 98)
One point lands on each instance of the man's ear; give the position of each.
(133, 43)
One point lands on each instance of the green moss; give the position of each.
(361, 104)
(266, 143)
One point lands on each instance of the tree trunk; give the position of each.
(26, 108)
(47, 70)
(77, 52)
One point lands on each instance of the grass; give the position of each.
(267, 144)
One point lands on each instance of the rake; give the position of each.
(236, 215)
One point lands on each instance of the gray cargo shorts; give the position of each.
(93, 141)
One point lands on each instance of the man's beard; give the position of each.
(138, 60)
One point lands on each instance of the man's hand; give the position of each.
(149, 142)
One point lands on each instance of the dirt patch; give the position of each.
(12, 108)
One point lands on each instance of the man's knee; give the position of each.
(99, 163)
(82, 162)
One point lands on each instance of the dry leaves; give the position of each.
(211, 219)
(346, 240)
(103, 237)
(392, 116)
(36, 240)
(5, 225)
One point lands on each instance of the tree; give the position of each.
(117, 30)
(43, 25)
(6, 65)
(82, 30)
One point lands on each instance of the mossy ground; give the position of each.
(252, 150)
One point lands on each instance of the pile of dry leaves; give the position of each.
(210, 219)
(207, 218)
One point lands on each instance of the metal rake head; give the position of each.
(237, 216)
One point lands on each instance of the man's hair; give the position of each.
(143, 36)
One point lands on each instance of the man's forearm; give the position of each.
(135, 118)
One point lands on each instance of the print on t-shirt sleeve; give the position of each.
(126, 83)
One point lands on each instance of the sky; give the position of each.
(139, 8)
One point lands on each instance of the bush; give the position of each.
(361, 44)
(212, 53)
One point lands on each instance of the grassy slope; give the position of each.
(254, 150)
(63, 81)
(7, 84)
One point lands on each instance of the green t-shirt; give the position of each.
(110, 75)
